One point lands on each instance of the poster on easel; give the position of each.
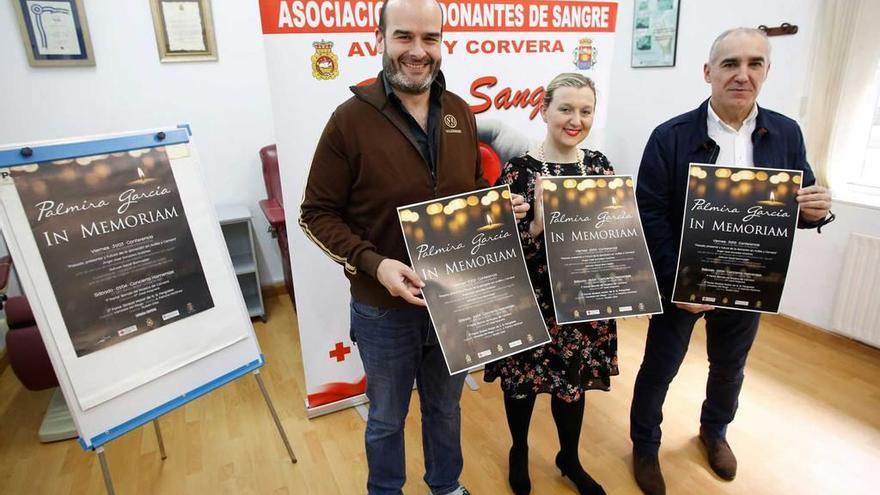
(124, 265)
(116, 243)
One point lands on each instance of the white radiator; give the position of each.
(857, 307)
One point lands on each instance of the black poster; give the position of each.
(116, 244)
(466, 249)
(736, 238)
(596, 252)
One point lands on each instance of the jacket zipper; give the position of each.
(435, 173)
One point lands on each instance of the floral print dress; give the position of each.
(579, 356)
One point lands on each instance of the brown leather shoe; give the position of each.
(648, 474)
(721, 457)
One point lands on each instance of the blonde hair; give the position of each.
(568, 80)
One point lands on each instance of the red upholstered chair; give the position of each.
(24, 346)
(491, 164)
(30, 363)
(273, 209)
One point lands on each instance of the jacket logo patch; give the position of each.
(451, 123)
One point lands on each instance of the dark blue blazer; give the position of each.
(663, 175)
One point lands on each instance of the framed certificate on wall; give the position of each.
(55, 32)
(184, 30)
(655, 33)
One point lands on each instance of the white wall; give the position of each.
(818, 260)
(640, 99)
(225, 102)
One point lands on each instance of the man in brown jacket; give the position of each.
(400, 140)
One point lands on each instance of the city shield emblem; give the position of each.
(325, 64)
(585, 54)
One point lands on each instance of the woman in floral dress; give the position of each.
(580, 356)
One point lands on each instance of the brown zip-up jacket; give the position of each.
(365, 166)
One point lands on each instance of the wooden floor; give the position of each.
(809, 423)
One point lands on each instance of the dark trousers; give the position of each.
(729, 336)
(397, 347)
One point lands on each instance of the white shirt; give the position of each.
(736, 145)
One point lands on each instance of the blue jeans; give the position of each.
(398, 346)
(729, 337)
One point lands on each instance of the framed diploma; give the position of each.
(184, 30)
(55, 32)
(597, 255)
(655, 33)
(736, 237)
(466, 249)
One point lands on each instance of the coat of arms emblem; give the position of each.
(325, 64)
(585, 54)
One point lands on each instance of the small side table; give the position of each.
(235, 221)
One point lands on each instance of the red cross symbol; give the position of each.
(340, 351)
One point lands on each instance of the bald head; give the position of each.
(736, 35)
(392, 5)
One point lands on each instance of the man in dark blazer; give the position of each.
(728, 128)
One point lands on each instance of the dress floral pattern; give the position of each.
(579, 356)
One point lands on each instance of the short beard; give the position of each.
(403, 84)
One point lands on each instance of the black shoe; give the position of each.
(518, 471)
(571, 469)
(648, 474)
(721, 457)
